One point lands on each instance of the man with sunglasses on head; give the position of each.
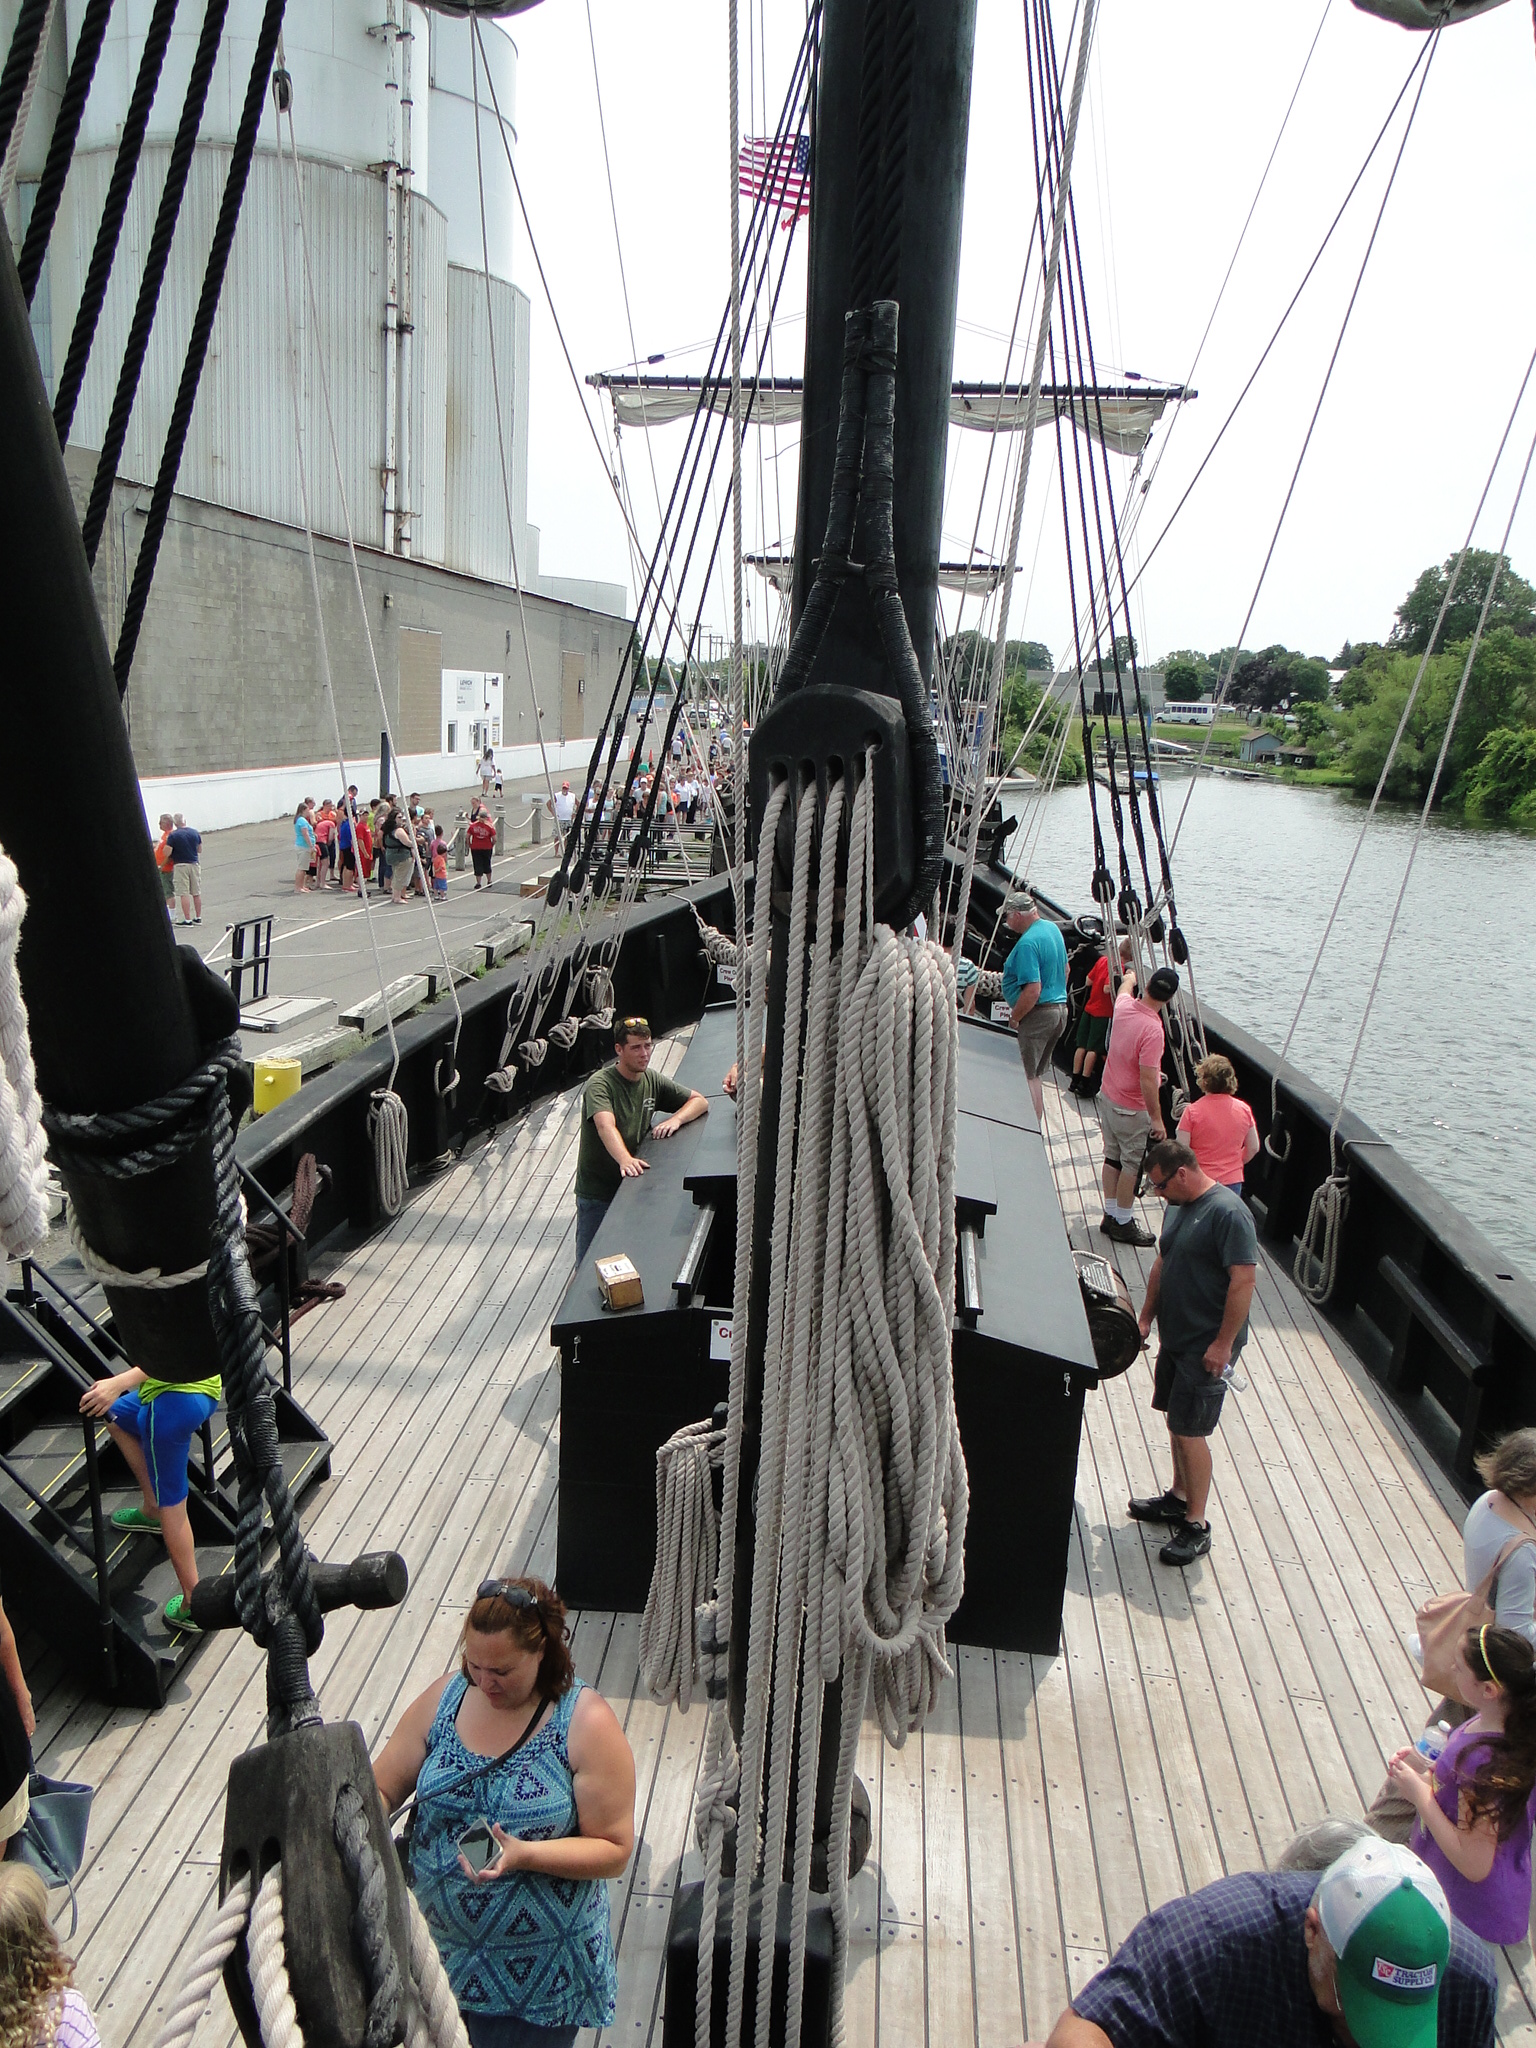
(617, 1106)
(1198, 1291)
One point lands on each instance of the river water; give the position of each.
(1447, 1067)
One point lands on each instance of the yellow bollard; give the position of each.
(276, 1080)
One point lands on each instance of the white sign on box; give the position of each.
(720, 1338)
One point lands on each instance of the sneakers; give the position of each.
(137, 1520)
(1158, 1507)
(1127, 1233)
(1189, 1541)
(178, 1612)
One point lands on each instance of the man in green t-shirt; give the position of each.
(617, 1105)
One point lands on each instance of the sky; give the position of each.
(1183, 110)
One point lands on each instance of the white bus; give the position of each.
(1188, 714)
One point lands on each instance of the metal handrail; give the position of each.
(30, 1267)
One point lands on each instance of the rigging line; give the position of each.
(18, 85)
(1412, 698)
(1425, 50)
(98, 275)
(1430, 795)
(501, 439)
(156, 259)
(302, 468)
(1253, 208)
(759, 235)
(618, 247)
(61, 146)
(357, 581)
(1225, 682)
(197, 344)
(1036, 378)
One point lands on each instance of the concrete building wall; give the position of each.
(228, 689)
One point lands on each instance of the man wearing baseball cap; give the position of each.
(1368, 1956)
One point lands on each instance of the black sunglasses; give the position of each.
(505, 1589)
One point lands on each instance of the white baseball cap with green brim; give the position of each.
(1388, 1923)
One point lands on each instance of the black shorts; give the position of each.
(1187, 1394)
(481, 856)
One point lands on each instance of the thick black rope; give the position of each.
(155, 261)
(125, 1145)
(61, 147)
(370, 1918)
(197, 345)
(18, 66)
(98, 275)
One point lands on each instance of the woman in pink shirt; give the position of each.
(1219, 1127)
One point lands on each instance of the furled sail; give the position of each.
(975, 580)
(1120, 416)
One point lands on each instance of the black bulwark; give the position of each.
(630, 1378)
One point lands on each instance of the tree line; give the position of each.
(1348, 710)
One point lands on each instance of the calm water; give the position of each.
(1447, 1070)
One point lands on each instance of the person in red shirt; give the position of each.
(482, 843)
(1093, 1025)
(1219, 1128)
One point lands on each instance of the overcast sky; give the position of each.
(1184, 107)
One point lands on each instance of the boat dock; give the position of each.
(1192, 1722)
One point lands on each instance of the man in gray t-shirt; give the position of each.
(1198, 1292)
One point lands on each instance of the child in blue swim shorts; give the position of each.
(153, 1424)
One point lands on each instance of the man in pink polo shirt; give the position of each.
(1130, 1114)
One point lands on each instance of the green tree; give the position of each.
(1500, 693)
(1181, 679)
(1503, 781)
(1314, 723)
(1514, 602)
(1027, 654)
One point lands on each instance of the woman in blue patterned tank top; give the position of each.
(515, 1740)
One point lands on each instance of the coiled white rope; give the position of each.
(1318, 1246)
(687, 1549)
(861, 1496)
(389, 1128)
(23, 1147)
(206, 1967)
(107, 1275)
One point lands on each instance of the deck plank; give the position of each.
(1192, 1722)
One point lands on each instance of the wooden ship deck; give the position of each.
(1192, 1722)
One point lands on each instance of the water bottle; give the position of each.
(1232, 1378)
(1432, 1742)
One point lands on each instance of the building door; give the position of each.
(419, 728)
(573, 702)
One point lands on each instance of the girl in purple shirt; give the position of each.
(1475, 1801)
(38, 2001)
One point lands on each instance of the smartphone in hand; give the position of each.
(478, 1846)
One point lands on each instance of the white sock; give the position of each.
(1116, 1214)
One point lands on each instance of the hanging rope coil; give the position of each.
(23, 1145)
(389, 1127)
(1317, 1251)
(687, 1551)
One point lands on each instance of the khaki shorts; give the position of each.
(14, 1812)
(1126, 1132)
(1039, 1030)
(188, 877)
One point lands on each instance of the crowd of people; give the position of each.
(400, 849)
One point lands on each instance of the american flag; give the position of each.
(778, 169)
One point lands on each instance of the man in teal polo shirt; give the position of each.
(1035, 989)
(617, 1106)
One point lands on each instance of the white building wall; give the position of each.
(477, 540)
(453, 94)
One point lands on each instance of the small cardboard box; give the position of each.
(619, 1282)
(532, 888)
